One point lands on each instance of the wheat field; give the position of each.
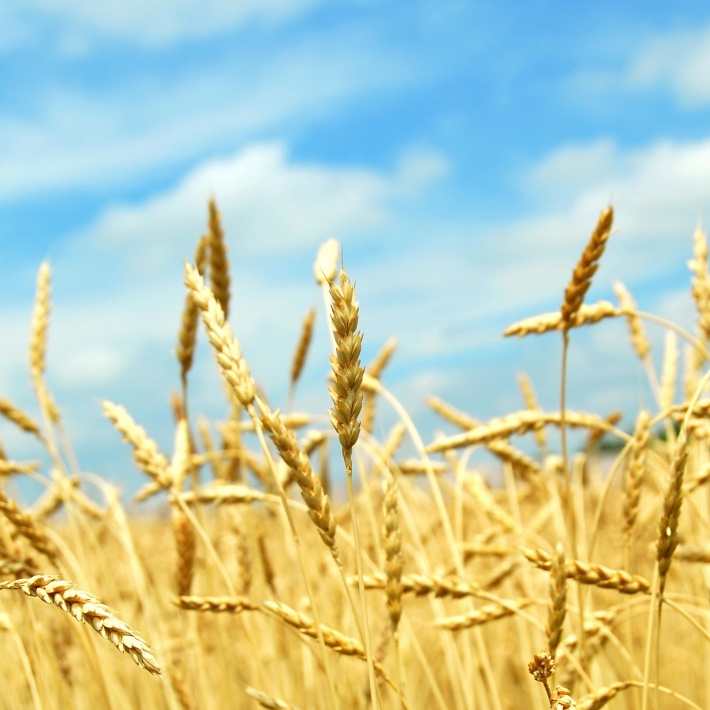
(572, 584)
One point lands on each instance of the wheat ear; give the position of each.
(586, 268)
(557, 600)
(672, 503)
(635, 470)
(187, 336)
(394, 559)
(26, 526)
(86, 608)
(316, 500)
(38, 341)
(145, 450)
(219, 264)
(229, 355)
(639, 339)
(548, 322)
(698, 266)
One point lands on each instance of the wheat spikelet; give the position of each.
(229, 355)
(315, 499)
(145, 450)
(219, 264)
(548, 322)
(594, 574)
(634, 472)
(86, 608)
(304, 343)
(595, 436)
(639, 339)
(701, 281)
(394, 559)
(187, 336)
(557, 600)
(516, 423)
(586, 268)
(19, 418)
(672, 503)
(478, 617)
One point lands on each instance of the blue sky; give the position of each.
(460, 151)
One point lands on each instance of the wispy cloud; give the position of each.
(677, 61)
(79, 25)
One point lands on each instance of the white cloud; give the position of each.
(269, 205)
(92, 139)
(158, 23)
(679, 61)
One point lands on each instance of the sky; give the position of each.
(459, 151)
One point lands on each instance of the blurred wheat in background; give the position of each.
(576, 583)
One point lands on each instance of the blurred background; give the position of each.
(460, 151)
